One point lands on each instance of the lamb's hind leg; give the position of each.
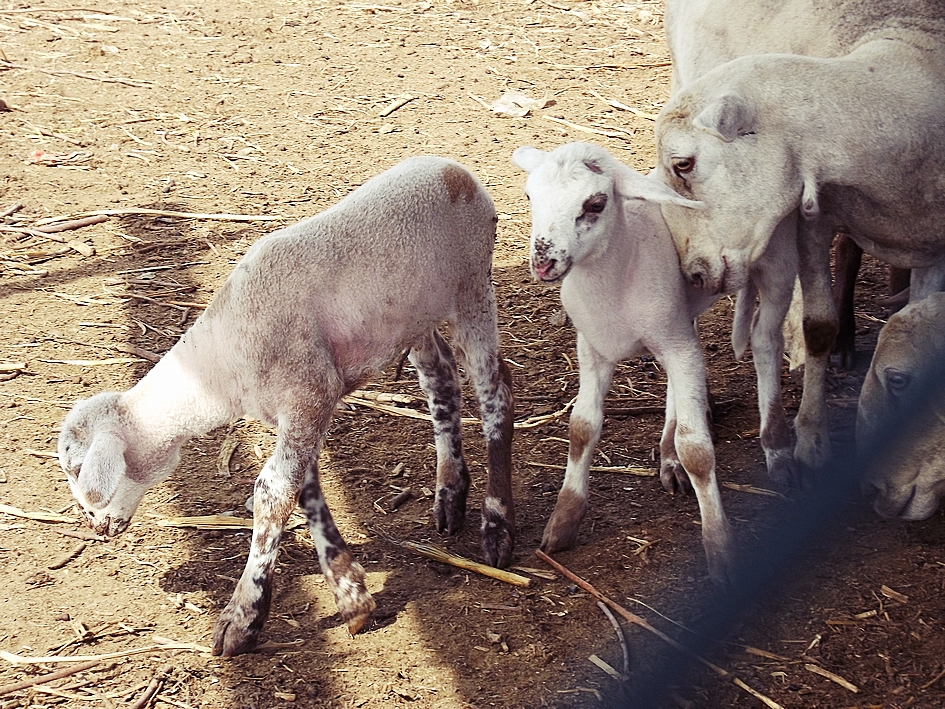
(436, 368)
(584, 430)
(344, 575)
(477, 338)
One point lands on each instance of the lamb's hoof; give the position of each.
(498, 533)
(782, 470)
(720, 558)
(450, 510)
(235, 632)
(562, 529)
(674, 477)
(357, 613)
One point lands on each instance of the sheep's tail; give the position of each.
(744, 316)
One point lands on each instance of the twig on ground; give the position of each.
(13, 209)
(35, 516)
(87, 536)
(832, 677)
(163, 646)
(399, 102)
(751, 489)
(935, 679)
(132, 211)
(51, 677)
(625, 470)
(585, 129)
(620, 637)
(152, 687)
(4, 64)
(73, 224)
(637, 620)
(68, 556)
(624, 107)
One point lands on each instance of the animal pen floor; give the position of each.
(279, 109)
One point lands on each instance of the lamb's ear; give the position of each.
(633, 185)
(528, 158)
(103, 467)
(726, 118)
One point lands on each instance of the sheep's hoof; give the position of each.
(674, 477)
(357, 612)
(720, 558)
(233, 635)
(450, 509)
(562, 529)
(498, 540)
(781, 468)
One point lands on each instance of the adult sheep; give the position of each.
(311, 311)
(909, 482)
(597, 228)
(854, 143)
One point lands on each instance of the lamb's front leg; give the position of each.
(584, 429)
(239, 625)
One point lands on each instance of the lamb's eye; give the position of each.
(595, 204)
(897, 381)
(683, 166)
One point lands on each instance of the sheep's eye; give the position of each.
(683, 166)
(897, 381)
(595, 204)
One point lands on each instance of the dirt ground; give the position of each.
(277, 110)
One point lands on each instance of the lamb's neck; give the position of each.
(176, 400)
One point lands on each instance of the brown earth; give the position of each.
(278, 109)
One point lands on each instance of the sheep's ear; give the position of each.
(528, 158)
(726, 118)
(102, 468)
(632, 185)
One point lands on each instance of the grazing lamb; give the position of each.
(311, 311)
(855, 143)
(909, 482)
(597, 228)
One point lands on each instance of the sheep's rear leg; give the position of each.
(344, 575)
(239, 625)
(584, 430)
(439, 379)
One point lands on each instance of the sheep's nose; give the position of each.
(870, 491)
(542, 269)
(697, 279)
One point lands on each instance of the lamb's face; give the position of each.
(910, 482)
(572, 206)
(92, 453)
(713, 150)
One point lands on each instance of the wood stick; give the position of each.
(50, 677)
(13, 209)
(832, 677)
(68, 556)
(637, 620)
(629, 470)
(63, 72)
(399, 102)
(87, 536)
(152, 687)
(73, 224)
(437, 554)
(622, 639)
(49, 659)
(132, 211)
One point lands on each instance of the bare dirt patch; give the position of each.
(277, 110)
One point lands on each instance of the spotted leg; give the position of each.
(239, 625)
(344, 575)
(584, 428)
(477, 338)
(436, 368)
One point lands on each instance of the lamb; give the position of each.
(910, 482)
(310, 312)
(597, 228)
(853, 142)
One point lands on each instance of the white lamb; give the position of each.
(311, 311)
(597, 227)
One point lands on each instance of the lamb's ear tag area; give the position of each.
(102, 469)
(594, 167)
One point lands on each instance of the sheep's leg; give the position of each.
(439, 379)
(239, 625)
(774, 278)
(477, 338)
(812, 424)
(344, 575)
(847, 258)
(673, 475)
(685, 372)
(584, 429)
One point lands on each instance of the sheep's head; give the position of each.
(909, 482)
(716, 146)
(106, 480)
(575, 194)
